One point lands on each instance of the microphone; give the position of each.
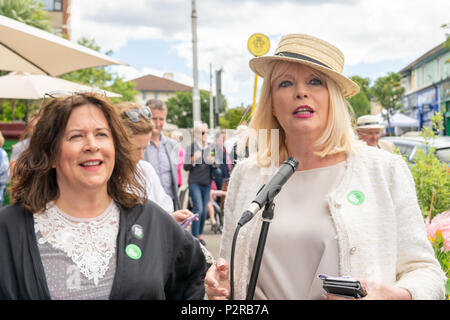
(269, 191)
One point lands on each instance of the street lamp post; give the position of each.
(211, 111)
(195, 90)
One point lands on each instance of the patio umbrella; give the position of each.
(398, 120)
(22, 85)
(26, 48)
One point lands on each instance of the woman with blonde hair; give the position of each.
(347, 210)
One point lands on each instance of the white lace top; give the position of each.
(78, 254)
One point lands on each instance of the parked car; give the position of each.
(408, 146)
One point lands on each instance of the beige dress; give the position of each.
(301, 241)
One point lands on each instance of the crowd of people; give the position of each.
(95, 210)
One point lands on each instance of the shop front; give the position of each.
(427, 105)
(444, 97)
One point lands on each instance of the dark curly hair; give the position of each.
(34, 181)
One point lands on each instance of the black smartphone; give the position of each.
(347, 287)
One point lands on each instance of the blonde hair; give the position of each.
(337, 137)
(2, 140)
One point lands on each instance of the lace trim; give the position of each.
(88, 242)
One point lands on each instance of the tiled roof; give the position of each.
(154, 83)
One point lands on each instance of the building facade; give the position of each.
(153, 87)
(59, 15)
(427, 86)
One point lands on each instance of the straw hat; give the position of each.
(368, 122)
(314, 53)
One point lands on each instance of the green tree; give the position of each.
(102, 78)
(361, 102)
(388, 91)
(179, 108)
(26, 11)
(431, 176)
(233, 117)
(447, 38)
(31, 13)
(12, 110)
(432, 180)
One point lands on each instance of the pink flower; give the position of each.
(440, 222)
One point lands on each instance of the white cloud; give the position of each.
(366, 31)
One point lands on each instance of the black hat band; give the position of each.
(301, 57)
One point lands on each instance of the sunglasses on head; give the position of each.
(135, 114)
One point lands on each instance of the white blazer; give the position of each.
(383, 238)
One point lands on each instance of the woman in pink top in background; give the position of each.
(177, 136)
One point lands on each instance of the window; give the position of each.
(58, 5)
(48, 4)
(51, 5)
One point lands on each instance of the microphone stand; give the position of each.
(267, 216)
(269, 192)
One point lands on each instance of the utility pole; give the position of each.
(218, 94)
(211, 111)
(195, 90)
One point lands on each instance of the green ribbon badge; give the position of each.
(355, 197)
(133, 251)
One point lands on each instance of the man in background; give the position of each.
(162, 152)
(368, 128)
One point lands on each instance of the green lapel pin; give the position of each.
(355, 197)
(133, 251)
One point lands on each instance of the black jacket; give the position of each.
(172, 265)
(200, 170)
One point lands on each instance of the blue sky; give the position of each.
(154, 36)
(152, 52)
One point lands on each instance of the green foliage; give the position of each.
(447, 288)
(8, 106)
(179, 108)
(102, 78)
(361, 102)
(432, 183)
(447, 38)
(443, 256)
(31, 13)
(26, 11)
(126, 88)
(432, 179)
(441, 253)
(388, 92)
(431, 176)
(232, 117)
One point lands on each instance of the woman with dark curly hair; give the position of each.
(81, 227)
